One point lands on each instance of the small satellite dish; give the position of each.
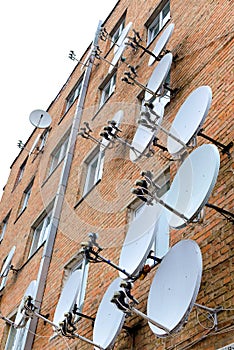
(20, 317)
(109, 319)
(117, 118)
(175, 286)
(193, 184)
(7, 263)
(162, 236)
(144, 136)
(40, 119)
(139, 240)
(161, 43)
(122, 36)
(117, 55)
(68, 296)
(189, 118)
(158, 76)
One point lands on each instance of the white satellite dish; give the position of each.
(158, 76)
(175, 286)
(139, 239)
(193, 184)
(68, 296)
(118, 55)
(189, 118)
(122, 36)
(117, 118)
(40, 119)
(161, 43)
(109, 319)
(7, 263)
(144, 136)
(20, 316)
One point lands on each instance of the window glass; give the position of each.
(3, 227)
(159, 21)
(40, 233)
(58, 155)
(94, 170)
(108, 89)
(73, 96)
(25, 198)
(115, 36)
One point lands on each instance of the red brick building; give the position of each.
(68, 186)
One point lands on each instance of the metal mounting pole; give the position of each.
(155, 323)
(225, 148)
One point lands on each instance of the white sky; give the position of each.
(36, 37)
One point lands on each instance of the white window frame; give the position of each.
(117, 32)
(159, 21)
(108, 90)
(159, 247)
(25, 198)
(93, 173)
(4, 227)
(73, 95)
(78, 263)
(40, 233)
(58, 154)
(11, 335)
(4, 278)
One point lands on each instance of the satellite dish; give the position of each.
(161, 43)
(162, 236)
(7, 263)
(109, 319)
(68, 296)
(139, 240)
(20, 316)
(117, 55)
(193, 184)
(158, 76)
(117, 118)
(40, 119)
(175, 286)
(189, 118)
(122, 37)
(144, 136)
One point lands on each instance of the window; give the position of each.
(25, 198)
(4, 277)
(40, 232)
(161, 243)
(94, 166)
(3, 227)
(11, 333)
(58, 154)
(20, 173)
(73, 95)
(108, 89)
(118, 30)
(78, 263)
(158, 20)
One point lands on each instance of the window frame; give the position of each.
(4, 226)
(117, 30)
(107, 88)
(157, 17)
(73, 95)
(39, 237)
(20, 173)
(25, 198)
(58, 154)
(97, 156)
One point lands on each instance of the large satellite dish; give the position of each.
(117, 118)
(20, 316)
(175, 286)
(109, 319)
(139, 240)
(161, 43)
(193, 184)
(122, 37)
(68, 296)
(40, 119)
(189, 118)
(7, 263)
(118, 55)
(144, 135)
(158, 76)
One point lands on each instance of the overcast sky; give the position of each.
(36, 37)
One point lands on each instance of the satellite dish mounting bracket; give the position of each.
(225, 148)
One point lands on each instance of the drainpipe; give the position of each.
(57, 208)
